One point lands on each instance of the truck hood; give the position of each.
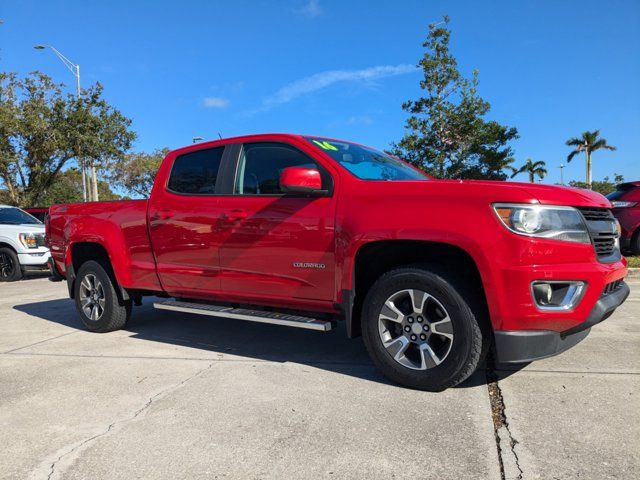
(544, 194)
(23, 228)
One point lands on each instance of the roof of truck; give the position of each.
(255, 137)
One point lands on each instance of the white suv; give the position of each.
(22, 245)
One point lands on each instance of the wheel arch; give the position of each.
(375, 258)
(80, 253)
(633, 240)
(8, 245)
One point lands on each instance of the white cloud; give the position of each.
(215, 102)
(359, 120)
(322, 80)
(311, 9)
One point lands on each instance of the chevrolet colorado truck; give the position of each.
(306, 232)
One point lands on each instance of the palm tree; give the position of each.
(588, 143)
(533, 169)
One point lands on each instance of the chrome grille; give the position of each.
(40, 240)
(596, 214)
(602, 230)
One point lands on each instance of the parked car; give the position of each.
(39, 212)
(306, 231)
(22, 244)
(626, 208)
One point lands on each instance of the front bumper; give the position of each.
(35, 260)
(518, 346)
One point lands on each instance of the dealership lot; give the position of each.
(180, 396)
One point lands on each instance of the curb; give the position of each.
(633, 273)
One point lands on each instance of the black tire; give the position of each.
(115, 312)
(634, 246)
(468, 344)
(10, 270)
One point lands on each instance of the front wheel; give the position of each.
(97, 301)
(635, 243)
(420, 330)
(10, 270)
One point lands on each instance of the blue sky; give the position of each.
(342, 68)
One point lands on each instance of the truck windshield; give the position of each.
(367, 163)
(15, 216)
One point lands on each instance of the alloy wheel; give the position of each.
(92, 297)
(415, 329)
(6, 266)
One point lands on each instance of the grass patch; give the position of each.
(634, 262)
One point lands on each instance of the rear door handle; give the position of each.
(234, 215)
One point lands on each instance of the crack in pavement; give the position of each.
(505, 442)
(53, 467)
(220, 358)
(39, 342)
(572, 372)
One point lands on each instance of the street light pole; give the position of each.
(75, 70)
(561, 167)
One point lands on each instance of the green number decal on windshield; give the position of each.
(325, 145)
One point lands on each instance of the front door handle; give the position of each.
(164, 214)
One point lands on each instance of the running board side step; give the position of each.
(244, 314)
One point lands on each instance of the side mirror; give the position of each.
(301, 180)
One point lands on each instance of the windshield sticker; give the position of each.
(325, 145)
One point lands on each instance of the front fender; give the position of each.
(10, 241)
(465, 243)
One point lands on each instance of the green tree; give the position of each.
(104, 133)
(446, 134)
(5, 198)
(604, 186)
(588, 143)
(533, 169)
(32, 151)
(136, 172)
(42, 129)
(68, 189)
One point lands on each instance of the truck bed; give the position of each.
(122, 222)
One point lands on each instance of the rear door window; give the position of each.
(196, 173)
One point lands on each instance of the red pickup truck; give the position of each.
(306, 231)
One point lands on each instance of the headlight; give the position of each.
(621, 204)
(555, 223)
(29, 240)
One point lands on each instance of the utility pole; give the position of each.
(75, 70)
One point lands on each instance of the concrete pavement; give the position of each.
(180, 396)
(577, 415)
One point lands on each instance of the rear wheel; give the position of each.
(97, 300)
(420, 330)
(10, 270)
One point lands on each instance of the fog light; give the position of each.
(556, 295)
